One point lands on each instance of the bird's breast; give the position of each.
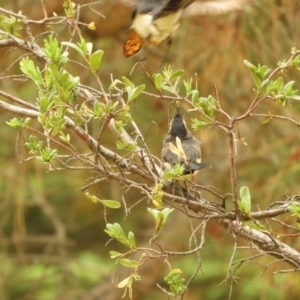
(153, 30)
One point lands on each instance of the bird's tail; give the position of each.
(194, 166)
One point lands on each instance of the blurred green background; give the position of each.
(52, 243)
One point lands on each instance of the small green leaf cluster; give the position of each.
(207, 105)
(11, 25)
(282, 92)
(294, 208)
(128, 146)
(277, 88)
(57, 93)
(33, 145)
(84, 49)
(132, 91)
(169, 81)
(122, 116)
(46, 154)
(111, 110)
(175, 173)
(57, 89)
(166, 80)
(259, 74)
(160, 218)
(16, 123)
(116, 232)
(176, 282)
(55, 52)
(69, 8)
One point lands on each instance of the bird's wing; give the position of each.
(192, 150)
(173, 5)
(169, 156)
(209, 7)
(147, 6)
(158, 8)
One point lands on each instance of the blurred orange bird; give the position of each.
(153, 22)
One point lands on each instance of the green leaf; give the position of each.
(279, 84)
(294, 208)
(158, 80)
(107, 203)
(295, 97)
(195, 96)
(111, 203)
(157, 195)
(133, 93)
(262, 71)
(257, 225)
(188, 86)
(288, 86)
(176, 282)
(114, 84)
(257, 81)
(265, 83)
(115, 231)
(95, 60)
(28, 68)
(122, 146)
(77, 49)
(177, 73)
(137, 91)
(248, 64)
(125, 282)
(131, 239)
(128, 82)
(198, 124)
(175, 173)
(65, 137)
(11, 24)
(97, 109)
(245, 203)
(160, 218)
(129, 263)
(114, 254)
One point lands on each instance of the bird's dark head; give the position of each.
(178, 126)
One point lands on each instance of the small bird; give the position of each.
(153, 22)
(180, 137)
